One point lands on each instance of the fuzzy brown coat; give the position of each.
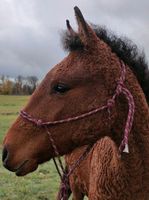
(108, 175)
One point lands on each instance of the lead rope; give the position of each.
(122, 89)
(64, 175)
(64, 186)
(63, 191)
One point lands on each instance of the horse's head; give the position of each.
(84, 80)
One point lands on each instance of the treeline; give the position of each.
(18, 86)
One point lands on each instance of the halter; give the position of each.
(120, 89)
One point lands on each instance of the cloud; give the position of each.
(29, 29)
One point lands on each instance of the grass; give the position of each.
(39, 185)
(9, 108)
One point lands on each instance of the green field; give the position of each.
(39, 185)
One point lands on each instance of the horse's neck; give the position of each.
(140, 131)
(140, 139)
(139, 136)
(131, 169)
(137, 161)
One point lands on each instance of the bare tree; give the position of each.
(18, 85)
(33, 80)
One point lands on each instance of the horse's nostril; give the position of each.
(4, 154)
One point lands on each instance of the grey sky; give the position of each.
(29, 29)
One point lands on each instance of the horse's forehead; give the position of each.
(74, 65)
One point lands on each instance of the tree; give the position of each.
(33, 80)
(7, 87)
(18, 85)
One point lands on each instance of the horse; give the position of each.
(85, 99)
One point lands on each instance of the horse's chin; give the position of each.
(27, 167)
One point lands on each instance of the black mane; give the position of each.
(124, 48)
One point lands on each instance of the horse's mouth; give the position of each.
(26, 167)
(19, 168)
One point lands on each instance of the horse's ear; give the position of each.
(70, 29)
(86, 33)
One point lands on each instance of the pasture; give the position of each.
(39, 185)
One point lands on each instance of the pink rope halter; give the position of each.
(120, 89)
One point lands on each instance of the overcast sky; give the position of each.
(30, 29)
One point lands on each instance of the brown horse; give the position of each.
(85, 80)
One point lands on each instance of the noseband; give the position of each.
(120, 89)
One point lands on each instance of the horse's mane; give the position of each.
(124, 48)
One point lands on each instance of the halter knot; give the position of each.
(38, 122)
(110, 103)
(119, 87)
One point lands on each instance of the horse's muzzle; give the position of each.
(5, 157)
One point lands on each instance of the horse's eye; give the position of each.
(61, 88)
